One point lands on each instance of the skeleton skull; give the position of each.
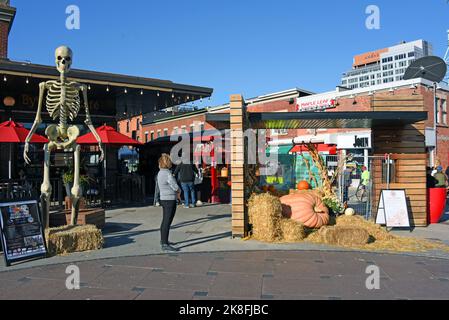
(63, 56)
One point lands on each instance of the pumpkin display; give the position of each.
(303, 185)
(271, 189)
(349, 212)
(307, 208)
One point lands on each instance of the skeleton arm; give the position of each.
(88, 122)
(37, 122)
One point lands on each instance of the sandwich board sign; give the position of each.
(392, 210)
(21, 231)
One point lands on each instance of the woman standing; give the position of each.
(168, 193)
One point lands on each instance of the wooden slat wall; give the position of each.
(406, 145)
(239, 210)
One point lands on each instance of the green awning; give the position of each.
(281, 150)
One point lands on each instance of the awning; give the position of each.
(280, 150)
(330, 148)
(323, 120)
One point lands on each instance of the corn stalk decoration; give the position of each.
(325, 188)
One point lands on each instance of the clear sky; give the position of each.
(234, 46)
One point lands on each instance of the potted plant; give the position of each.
(68, 178)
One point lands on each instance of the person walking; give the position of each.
(198, 184)
(187, 172)
(168, 191)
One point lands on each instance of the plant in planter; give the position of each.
(68, 177)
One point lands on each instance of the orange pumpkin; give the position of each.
(307, 208)
(303, 185)
(265, 188)
(271, 189)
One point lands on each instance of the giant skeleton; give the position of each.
(63, 103)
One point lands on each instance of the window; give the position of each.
(411, 54)
(202, 127)
(175, 130)
(165, 132)
(183, 129)
(127, 126)
(158, 134)
(138, 124)
(152, 135)
(279, 132)
(146, 137)
(192, 127)
(444, 111)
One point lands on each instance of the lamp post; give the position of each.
(9, 103)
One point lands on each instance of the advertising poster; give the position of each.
(21, 231)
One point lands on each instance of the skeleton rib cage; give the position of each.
(63, 101)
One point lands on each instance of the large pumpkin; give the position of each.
(303, 185)
(307, 208)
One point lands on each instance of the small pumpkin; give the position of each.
(271, 189)
(307, 208)
(349, 212)
(303, 185)
(265, 188)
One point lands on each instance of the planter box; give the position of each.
(96, 217)
(68, 203)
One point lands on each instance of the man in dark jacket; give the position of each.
(187, 174)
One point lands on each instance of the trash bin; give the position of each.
(437, 204)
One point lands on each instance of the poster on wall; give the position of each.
(22, 234)
(392, 209)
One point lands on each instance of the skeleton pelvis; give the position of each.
(61, 138)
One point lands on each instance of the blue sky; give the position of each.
(248, 47)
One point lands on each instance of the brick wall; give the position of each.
(4, 28)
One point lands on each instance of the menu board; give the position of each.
(392, 210)
(21, 231)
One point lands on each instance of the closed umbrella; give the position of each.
(13, 132)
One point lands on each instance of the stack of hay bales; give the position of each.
(69, 239)
(343, 236)
(268, 224)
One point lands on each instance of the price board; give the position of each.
(22, 234)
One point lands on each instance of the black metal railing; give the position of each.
(117, 190)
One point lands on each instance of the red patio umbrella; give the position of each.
(13, 132)
(108, 136)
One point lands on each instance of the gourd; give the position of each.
(349, 212)
(307, 208)
(303, 185)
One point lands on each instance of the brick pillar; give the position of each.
(239, 210)
(7, 15)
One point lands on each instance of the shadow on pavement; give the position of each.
(197, 241)
(200, 220)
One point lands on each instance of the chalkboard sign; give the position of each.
(21, 233)
(392, 210)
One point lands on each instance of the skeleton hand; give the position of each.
(25, 153)
(100, 146)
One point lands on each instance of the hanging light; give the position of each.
(27, 81)
(172, 95)
(5, 79)
(158, 94)
(107, 89)
(141, 92)
(126, 90)
(88, 87)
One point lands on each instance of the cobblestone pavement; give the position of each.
(251, 275)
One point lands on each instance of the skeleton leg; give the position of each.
(76, 190)
(46, 188)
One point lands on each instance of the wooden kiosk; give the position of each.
(398, 128)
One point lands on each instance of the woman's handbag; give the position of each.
(199, 177)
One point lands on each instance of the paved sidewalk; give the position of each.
(256, 275)
(135, 232)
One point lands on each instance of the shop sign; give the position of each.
(314, 103)
(355, 141)
(22, 234)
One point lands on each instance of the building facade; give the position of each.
(384, 65)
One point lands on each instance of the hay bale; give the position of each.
(69, 239)
(265, 213)
(292, 231)
(344, 236)
(375, 230)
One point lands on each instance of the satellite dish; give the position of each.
(430, 68)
